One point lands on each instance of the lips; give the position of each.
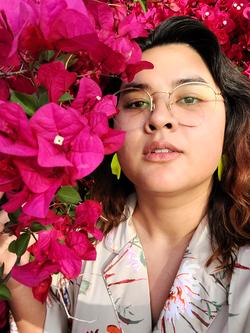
(160, 148)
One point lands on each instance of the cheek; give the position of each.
(130, 153)
(208, 150)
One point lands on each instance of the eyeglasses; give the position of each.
(188, 102)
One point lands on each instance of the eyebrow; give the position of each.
(174, 84)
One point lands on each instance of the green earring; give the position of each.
(115, 166)
(221, 167)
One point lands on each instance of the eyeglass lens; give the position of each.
(188, 103)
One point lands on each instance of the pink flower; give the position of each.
(86, 216)
(25, 221)
(16, 137)
(12, 25)
(56, 79)
(4, 90)
(37, 187)
(83, 138)
(33, 273)
(62, 25)
(41, 291)
(9, 177)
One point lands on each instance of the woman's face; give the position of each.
(171, 151)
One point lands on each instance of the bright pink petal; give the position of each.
(49, 11)
(113, 141)
(38, 204)
(130, 27)
(98, 122)
(86, 154)
(50, 156)
(33, 273)
(36, 179)
(107, 105)
(16, 137)
(87, 89)
(69, 263)
(52, 120)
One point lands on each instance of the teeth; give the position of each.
(157, 151)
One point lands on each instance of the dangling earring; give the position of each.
(115, 166)
(221, 167)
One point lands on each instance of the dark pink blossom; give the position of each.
(55, 78)
(4, 89)
(86, 216)
(22, 84)
(30, 186)
(16, 137)
(9, 177)
(41, 291)
(25, 221)
(4, 310)
(33, 273)
(12, 25)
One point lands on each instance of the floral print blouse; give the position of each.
(112, 293)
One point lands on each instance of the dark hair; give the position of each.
(228, 206)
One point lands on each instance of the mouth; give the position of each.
(161, 151)
(160, 148)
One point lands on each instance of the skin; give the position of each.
(172, 189)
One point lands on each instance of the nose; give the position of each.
(161, 116)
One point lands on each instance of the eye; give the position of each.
(138, 104)
(188, 100)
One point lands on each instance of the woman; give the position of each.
(176, 258)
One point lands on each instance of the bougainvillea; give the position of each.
(228, 19)
(54, 129)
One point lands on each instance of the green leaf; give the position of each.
(66, 98)
(68, 194)
(35, 226)
(14, 215)
(42, 96)
(19, 246)
(4, 293)
(12, 246)
(27, 102)
(1, 271)
(22, 243)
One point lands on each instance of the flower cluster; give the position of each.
(55, 58)
(54, 129)
(228, 19)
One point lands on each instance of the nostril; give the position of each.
(169, 125)
(152, 127)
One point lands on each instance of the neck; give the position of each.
(171, 217)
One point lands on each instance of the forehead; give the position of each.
(173, 64)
